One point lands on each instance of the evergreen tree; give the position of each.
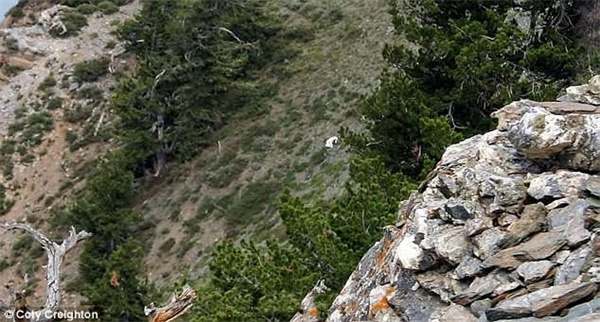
(457, 61)
(253, 282)
(195, 67)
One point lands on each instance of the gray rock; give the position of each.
(594, 317)
(561, 256)
(532, 319)
(557, 185)
(482, 287)
(488, 242)
(480, 306)
(442, 285)
(533, 220)
(541, 303)
(544, 187)
(572, 266)
(507, 219)
(477, 225)
(541, 246)
(459, 210)
(453, 313)
(581, 310)
(452, 245)
(507, 191)
(593, 186)
(534, 271)
(447, 185)
(468, 267)
(571, 221)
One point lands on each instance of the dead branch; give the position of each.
(232, 34)
(308, 308)
(99, 124)
(55, 253)
(178, 306)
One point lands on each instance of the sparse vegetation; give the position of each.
(5, 203)
(54, 103)
(47, 83)
(91, 70)
(108, 7)
(201, 65)
(73, 21)
(87, 8)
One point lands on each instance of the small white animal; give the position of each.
(331, 142)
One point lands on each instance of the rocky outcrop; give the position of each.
(504, 230)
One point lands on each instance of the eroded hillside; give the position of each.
(55, 114)
(52, 121)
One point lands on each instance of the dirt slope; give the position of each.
(230, 189)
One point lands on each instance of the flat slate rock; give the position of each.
(541, 303)
(453, 313)
(570, 107)
(541, 246)
(534, 271)
(481, 287)
(572, 266)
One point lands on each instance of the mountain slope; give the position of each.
(230, 190)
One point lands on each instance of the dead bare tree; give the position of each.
(177, 306)
(308, 308)
(55, 253)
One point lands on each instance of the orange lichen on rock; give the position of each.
(380, 305)
(313, 311)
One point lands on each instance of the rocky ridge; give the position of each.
(505, 228)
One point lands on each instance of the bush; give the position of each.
(5, 203)
(87, 8)
(93, 93)
(77, 113)
(73, 21)
(34, 128)
(47, 83)
(108, 7)
(54, 103)
(16, 12)
(91, 70)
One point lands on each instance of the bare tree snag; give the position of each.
(308, 308)
(55, 253)
(178, 305)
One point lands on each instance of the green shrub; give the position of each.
(54, 103)
(93, 93)
(4, 264)
(47, 83)
(91, 70)
(223, 177)
(5, 203)
(73, 21)
(108, 7)
(22, 245)
(77, 113)
(87, 8)
(16, 12)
